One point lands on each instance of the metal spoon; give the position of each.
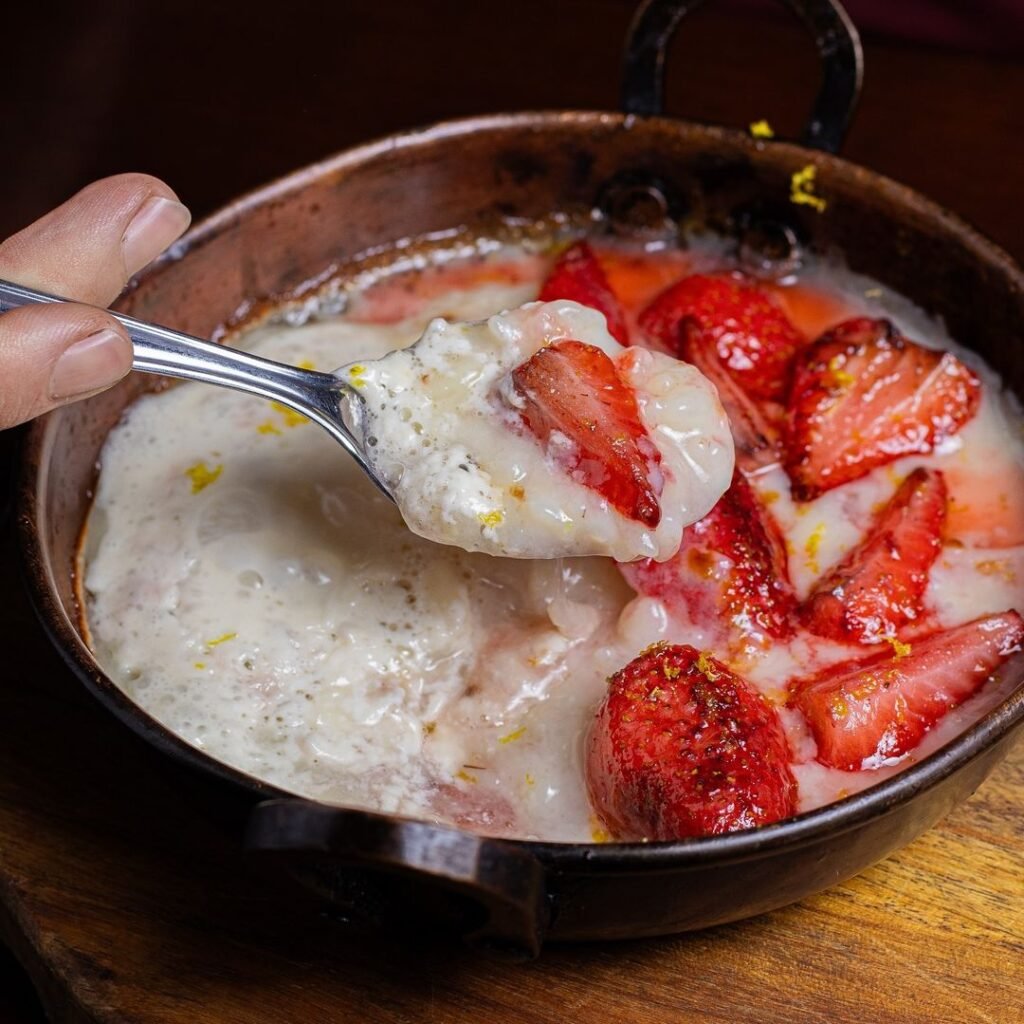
(323, 397)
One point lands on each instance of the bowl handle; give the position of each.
(491, 891)
(656, 21)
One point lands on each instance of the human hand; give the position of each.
(85, 250)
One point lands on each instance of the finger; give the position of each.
(87, 248)
(53, 354)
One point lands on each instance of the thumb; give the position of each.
(53, 354)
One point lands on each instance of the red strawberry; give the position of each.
(755, 436)
(864, 395)
(683, 747)
(730, 569)
(878, 587)
(572, 399)
(578, 276)
(740, 324)
(863, 713)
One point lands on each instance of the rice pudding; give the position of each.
(253, 591)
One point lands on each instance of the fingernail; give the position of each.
(91, 364)
(158, 222)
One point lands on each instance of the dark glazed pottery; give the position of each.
(470, 175)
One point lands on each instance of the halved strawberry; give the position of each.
(577, 275)
(742, 326)
(864, 713)
(572, 399)
(683, 747)
(864, 395)
(878, 587)
(755, 436)
(729, 571)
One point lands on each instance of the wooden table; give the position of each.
(128, 902)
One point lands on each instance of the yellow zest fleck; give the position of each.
(813, 545)
(598, 833)
(493, 518)
(202, 476)
(899, 648)
(200, 665)
(770, 497)
(530, 780)
(670, 671)
(517, 491)
(356, 374)
(290, 416)
(429, 727)
(513, 736)
(465, 776)
(801, 188)
(706, 666)
(222, 639)
(840, 377)
(762, 130)
(996, 567)
(306, 364)
(268, 427)
(838, 707)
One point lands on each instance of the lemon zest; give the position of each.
(801, 188)
(840, 376)
(598, 833)
(200, 665)
(202, 476)
(493, 518)
(465, 776)
(268, 427)
(355, 375)
(306, 364)
(530, 780)
(762, 129)
(290, 416)
(899, 648)
(706, 666)
(218, 640)
(813, 545)
(513, 736)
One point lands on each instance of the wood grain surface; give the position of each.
(122, 892)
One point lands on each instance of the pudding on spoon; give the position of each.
(535, 434)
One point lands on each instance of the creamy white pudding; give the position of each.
(251, 589)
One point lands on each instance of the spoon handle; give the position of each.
(173, 354)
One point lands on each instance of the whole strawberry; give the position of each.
(683, 747)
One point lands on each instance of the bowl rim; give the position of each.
(836, 818)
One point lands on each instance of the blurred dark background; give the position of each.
(218, 97)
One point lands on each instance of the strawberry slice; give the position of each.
(879, 586)
(755, 436)
(572, 399)
(577, 275)
(864, 395)
(742, 326)
(730, 570)
(683, 747)
(865, 713)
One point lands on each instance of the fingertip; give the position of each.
(157, 223)
(91, 364)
